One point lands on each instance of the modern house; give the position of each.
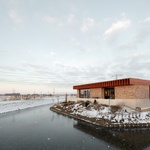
(129, 90)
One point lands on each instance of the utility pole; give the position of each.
(66, 97)
(116, 76)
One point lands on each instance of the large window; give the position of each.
(109, 93)
(85, 93)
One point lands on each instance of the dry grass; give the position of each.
(115, 108)
(145, 110)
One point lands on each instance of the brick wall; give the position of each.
(142, 92)
(97, 92)
(125, 92)
(132, 92)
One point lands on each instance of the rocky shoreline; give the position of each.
(70, 109)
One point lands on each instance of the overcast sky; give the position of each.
(55, 44)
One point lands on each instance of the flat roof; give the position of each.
(112, 83)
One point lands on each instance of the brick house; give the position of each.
(121, 89)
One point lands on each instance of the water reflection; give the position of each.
(129, 139)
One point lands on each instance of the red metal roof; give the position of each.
(120, 82)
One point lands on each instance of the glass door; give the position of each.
(109, 93)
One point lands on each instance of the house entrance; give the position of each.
(109, 93)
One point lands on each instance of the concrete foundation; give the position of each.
(132, 103)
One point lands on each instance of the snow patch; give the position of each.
(17, 105)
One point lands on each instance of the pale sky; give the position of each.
(55, 44)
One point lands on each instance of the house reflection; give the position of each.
(127, 139)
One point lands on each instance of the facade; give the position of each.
(129, 88)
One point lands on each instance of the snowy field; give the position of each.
(9, 106)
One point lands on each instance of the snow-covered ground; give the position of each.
(9, 106)
(121, 116)
(124, 115)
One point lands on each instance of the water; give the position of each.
(41, 129)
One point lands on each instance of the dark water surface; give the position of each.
(41, 129)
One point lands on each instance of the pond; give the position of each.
(41, 129)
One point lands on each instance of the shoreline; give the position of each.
(73, 116)
(18, 110)
(8, 107)
(103, 123)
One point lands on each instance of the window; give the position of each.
(85, 93)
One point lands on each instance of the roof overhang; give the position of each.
(120, 82)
